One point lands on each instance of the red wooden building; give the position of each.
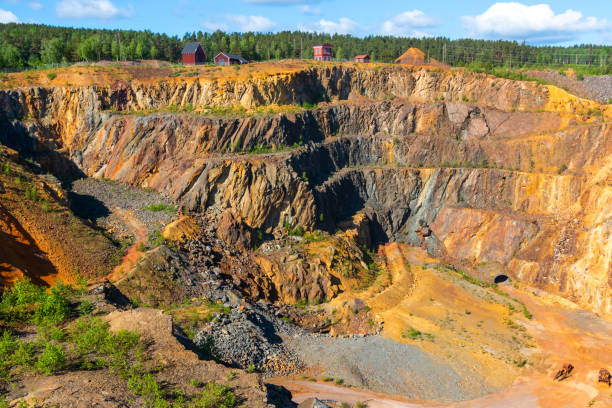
(225, 58)
(193, 54)
(362, 58)
(322, 52)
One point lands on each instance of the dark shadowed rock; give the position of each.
(234, 232)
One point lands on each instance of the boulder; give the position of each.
(313, 403)
(181, 230)
(234, 232)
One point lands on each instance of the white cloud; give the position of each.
(537, 23)
(406, 23)
(101, 9)
(343, 26)
(251, 23)
(36, 5)
(8, 17)
(313, 11)
(214, 26)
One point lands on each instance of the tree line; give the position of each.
(33, 45)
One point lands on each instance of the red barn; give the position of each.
(193, 54)
(225, 58)
(362, 58)
(322, 52)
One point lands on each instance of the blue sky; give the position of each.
(537, 22)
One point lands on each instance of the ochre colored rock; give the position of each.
(181, 230)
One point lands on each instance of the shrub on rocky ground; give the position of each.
(68, 337)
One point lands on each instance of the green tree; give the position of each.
(53, 51)
(10, 56)
(89, 50)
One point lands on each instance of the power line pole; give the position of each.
(301, 46)
(444, 53)
(119, 48)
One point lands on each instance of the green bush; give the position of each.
(86, 307)
(23, 354)
(146, 385)
(562, 168)
(31, 193)
(215, 396)
(51, 360)
(7, 349)
(7, 169)
(53, 307)
(91, 336)
(156, 239)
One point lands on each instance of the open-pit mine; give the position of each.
(374, 235)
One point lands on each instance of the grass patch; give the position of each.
(416, 335)
(161, 207)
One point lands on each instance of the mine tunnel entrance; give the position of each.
(500, 278)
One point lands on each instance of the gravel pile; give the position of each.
(250, 336)
(386, 366)
(96, 200)
(600, 86)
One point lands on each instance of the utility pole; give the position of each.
(591, 55)
(301, 46)
(119, 49)
(444, 53)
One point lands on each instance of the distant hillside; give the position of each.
(29, 45)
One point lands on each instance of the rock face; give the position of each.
(472, 167)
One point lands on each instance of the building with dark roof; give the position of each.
(193, 54)
(362, 58)
(225, 58)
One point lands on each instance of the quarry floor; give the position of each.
(561, 331)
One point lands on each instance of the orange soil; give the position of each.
(562, 332)
(41, 238)
(133, 255)
(20, 255)
(107, 72)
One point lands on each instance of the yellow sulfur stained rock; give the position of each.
(181, 230)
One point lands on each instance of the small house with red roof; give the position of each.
(225, 58)
(362, 58)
